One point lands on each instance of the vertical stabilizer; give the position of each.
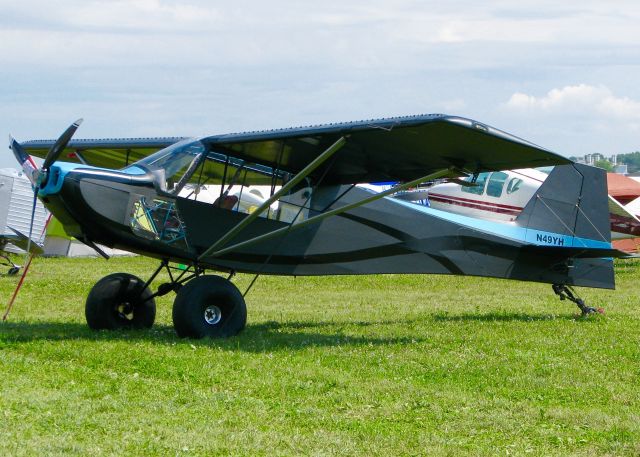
(572, 201)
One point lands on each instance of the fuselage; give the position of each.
(132, 209)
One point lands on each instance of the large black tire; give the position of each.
(209, 306)
(118, 301)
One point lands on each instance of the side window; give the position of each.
(478, 189)
(496, 183)
(514, 185)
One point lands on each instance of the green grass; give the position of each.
(373, 365)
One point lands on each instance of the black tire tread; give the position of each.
(194, 297)
(101, 302)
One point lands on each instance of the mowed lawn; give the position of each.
(372, 365)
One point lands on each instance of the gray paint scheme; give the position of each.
(389, 237)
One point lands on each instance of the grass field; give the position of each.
(374, 365)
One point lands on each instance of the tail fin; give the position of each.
(567, 221)
(573, 202)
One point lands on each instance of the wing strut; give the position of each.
(283, 191)
(451, 171)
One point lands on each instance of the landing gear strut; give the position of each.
(565, 292)
(13, 267)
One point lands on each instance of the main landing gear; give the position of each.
(205, 305)
(13, 268)
(565, 292)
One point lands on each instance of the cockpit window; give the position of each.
(514, 185)
(173, 162)
(496, 183)
(478, 189)
(197, 171)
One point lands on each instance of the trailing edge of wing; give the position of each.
(391, 149)
(395, 149)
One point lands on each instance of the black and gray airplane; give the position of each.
(146, 196)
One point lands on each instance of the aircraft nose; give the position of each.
(55, 178)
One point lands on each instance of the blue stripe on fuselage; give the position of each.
(508, 230)
(59, 171)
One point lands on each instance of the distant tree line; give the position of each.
(632, 159)
(604, 164)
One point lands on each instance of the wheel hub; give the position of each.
(212, 315)
(125, 310)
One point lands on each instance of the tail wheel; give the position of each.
(120, 300)
(209, 306)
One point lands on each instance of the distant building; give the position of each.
(621, 169)
(590, 159)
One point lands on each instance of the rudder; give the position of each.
(572, 201)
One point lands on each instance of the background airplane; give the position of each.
(21, 241)
(501, 196)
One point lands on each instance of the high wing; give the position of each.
(113, 153)
(392, 149)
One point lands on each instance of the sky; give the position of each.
(564, 75)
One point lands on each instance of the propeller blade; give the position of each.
(60, 144)
(25, 160)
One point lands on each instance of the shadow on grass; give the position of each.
(262, 337)
(265, 336)
(511, 317)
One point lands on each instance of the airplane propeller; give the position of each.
(38, 178)
(60, 144)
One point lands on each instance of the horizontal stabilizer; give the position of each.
(579, 252)
(22, 241)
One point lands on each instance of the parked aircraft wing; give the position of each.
(623, 223)
(392, 149)
(22, 241)
(633, 206)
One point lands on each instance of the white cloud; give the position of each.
(454, 105)
(136, 67)
(142, 15)
(579, 99)
(576, 119)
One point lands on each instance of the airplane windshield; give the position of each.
(174, 161)
(191, 170)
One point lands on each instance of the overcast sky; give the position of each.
(562, 74)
